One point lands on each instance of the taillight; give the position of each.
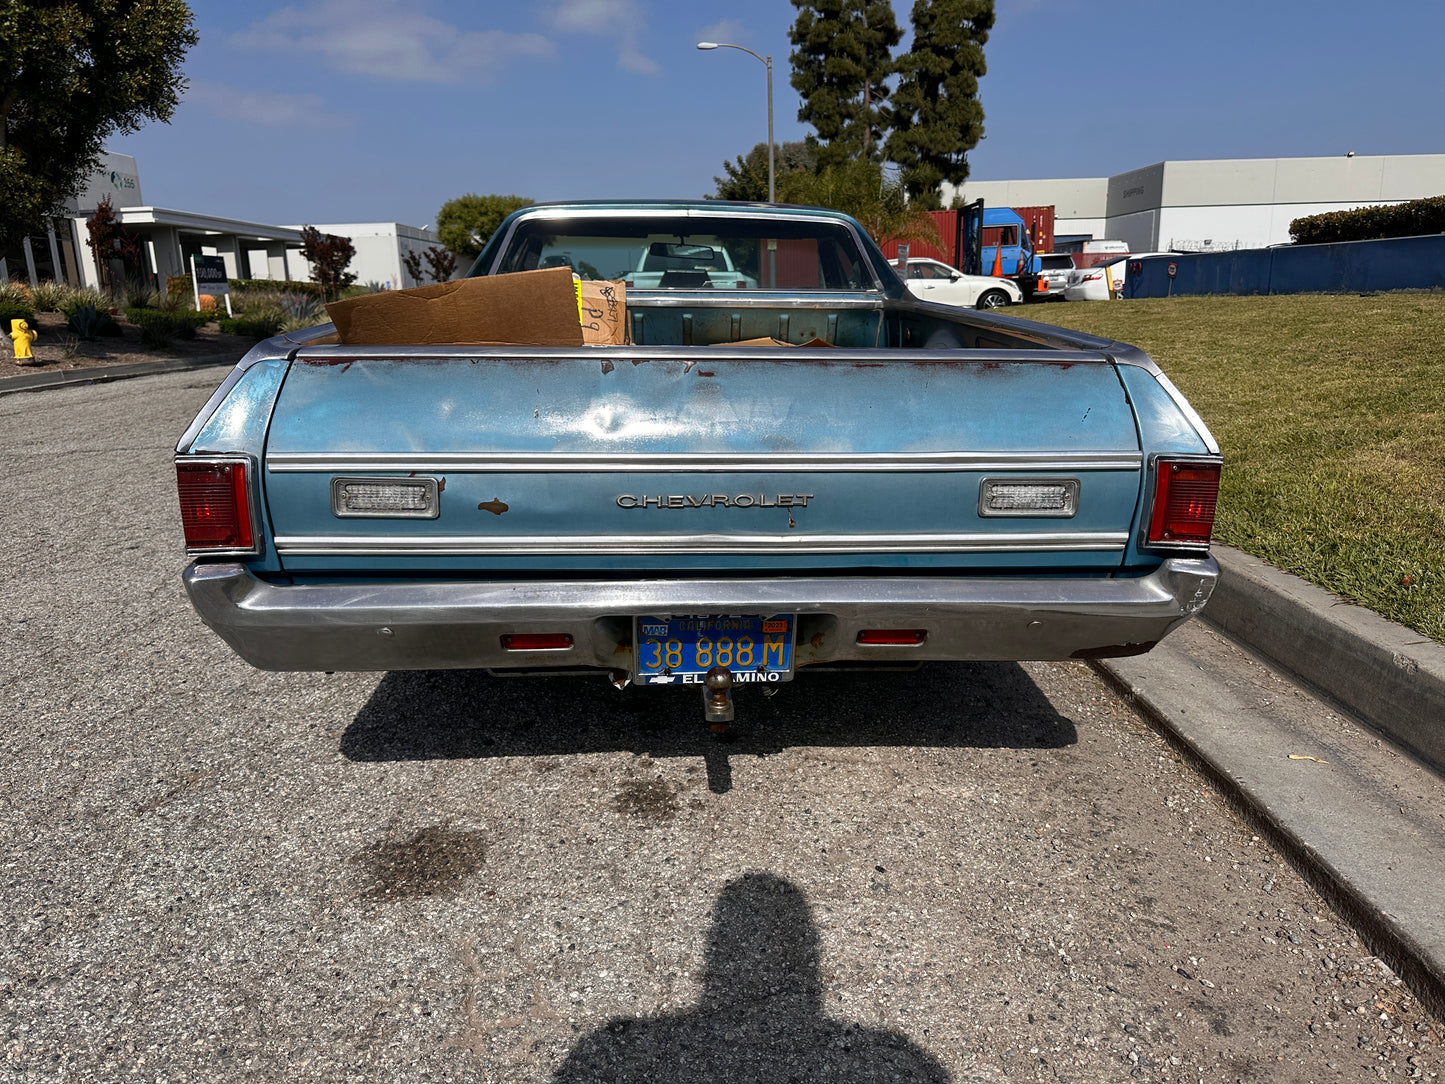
(215, 505)
(1185, 495)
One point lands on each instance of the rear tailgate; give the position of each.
(700, 460)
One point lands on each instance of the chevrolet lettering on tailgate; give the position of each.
(717, 500)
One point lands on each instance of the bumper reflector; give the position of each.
(536, 641)
(893, 637)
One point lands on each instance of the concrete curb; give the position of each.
(1384, 674)
(101, 374)
(1344, 829)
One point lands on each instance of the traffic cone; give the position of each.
(997, 271)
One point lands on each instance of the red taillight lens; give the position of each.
(215, 506)
(893, 637)
(536, 641)
(1185, 496)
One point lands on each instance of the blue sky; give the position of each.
(381, 110)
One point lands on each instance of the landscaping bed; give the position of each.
(60, 348)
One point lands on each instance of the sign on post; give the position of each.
(208, 276)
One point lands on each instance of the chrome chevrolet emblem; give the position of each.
(717, 500)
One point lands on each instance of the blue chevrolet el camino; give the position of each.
(788, 462)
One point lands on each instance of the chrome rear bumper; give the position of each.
(424, 625)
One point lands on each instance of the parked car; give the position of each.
(666, 265)
(1054, 268)
(934, 280)
(705, 487)
(1105, 281)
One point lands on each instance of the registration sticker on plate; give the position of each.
(680, 650)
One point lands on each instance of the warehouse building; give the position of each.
(1214, 205)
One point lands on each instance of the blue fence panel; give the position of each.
(1395, 263)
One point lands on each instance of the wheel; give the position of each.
(992, 299)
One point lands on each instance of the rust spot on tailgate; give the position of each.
(496, 506)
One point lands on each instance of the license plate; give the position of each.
(680, 650)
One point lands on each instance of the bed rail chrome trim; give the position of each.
(1047, 463)
(668, 545)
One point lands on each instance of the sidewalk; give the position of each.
(41, 378)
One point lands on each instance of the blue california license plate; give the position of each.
(680, 650)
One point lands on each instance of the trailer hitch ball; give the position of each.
(717, 697)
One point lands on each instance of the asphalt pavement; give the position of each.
(1318, 720)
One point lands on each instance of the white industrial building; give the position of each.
(1214, 205)
(380, 249)
(169, 238)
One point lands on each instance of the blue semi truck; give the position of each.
(979, 240)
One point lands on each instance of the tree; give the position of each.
(109, 241)
(412, 262)
(329, 256)
(936, 116)
(464, 224)
(441, 263)
(747, 177)
(841, 57)
(75, 73)
(861, 188)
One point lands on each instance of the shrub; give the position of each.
(89, 322)
(158, 328)
(50, 296)
(140, 295)
(14, 310)
(1421, 216)
(252, 327)
(17, 293)
(84, 295)
(181, 285)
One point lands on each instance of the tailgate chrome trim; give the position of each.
(666, 545)
(713, 462)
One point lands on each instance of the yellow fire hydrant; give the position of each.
(23, 336)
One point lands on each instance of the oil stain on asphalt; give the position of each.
(433, 861)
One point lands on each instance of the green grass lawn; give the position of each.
(1330, 410)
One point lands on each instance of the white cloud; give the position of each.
(388, 39)
(729, 30)
(264, 107)
(618, 20)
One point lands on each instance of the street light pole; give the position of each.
(767, 62)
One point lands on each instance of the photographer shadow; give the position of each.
(760, 1017)
(455, 714)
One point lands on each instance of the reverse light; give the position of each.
(536, 641)
(215, 497)
(1186, 493)
(1029, 497)
(385, 498)
(893, 637)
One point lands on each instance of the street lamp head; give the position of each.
(707, 45)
